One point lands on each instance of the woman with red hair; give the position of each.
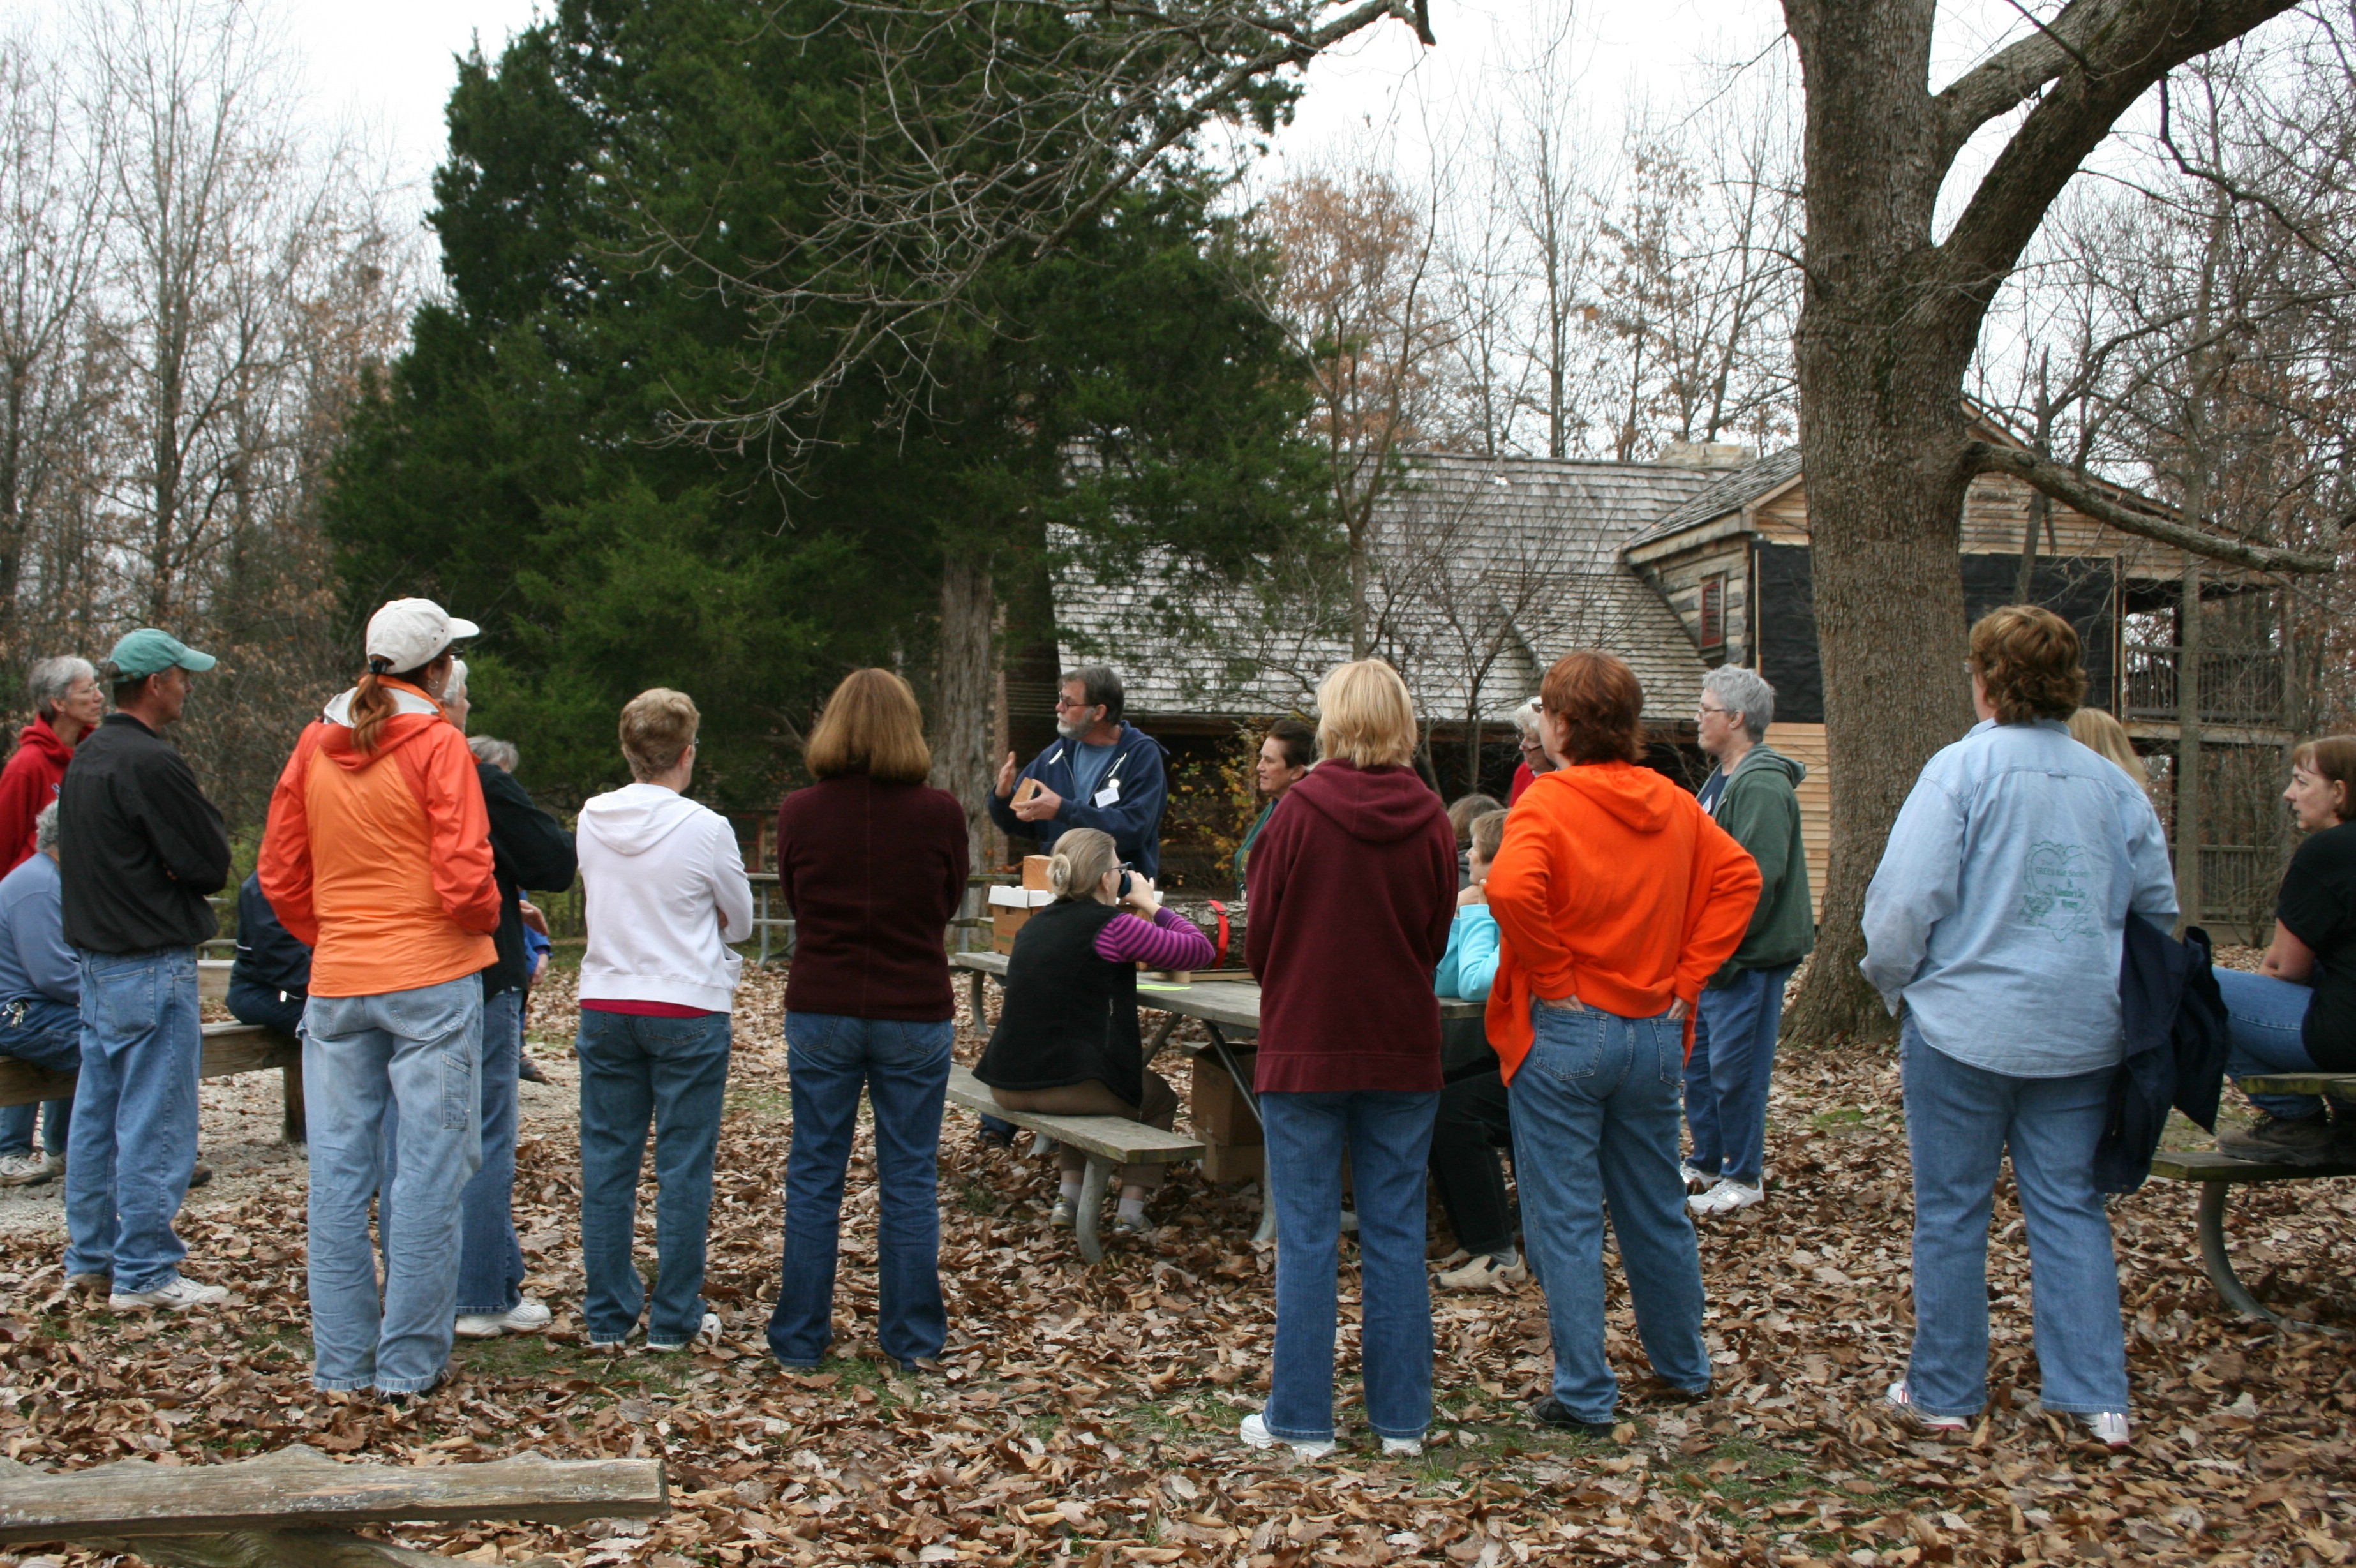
(1618, 898)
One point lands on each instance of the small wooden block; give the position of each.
(1024, 793)
(1034, 867)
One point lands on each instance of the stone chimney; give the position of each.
(1706, 454)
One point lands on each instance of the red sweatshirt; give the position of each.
(29, 782)
(1352, 888)
(873, 874)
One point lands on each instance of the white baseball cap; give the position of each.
(407, 634)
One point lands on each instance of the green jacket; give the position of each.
(1760, 809)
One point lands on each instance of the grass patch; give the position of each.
(1839, 1116)
(759, 1100)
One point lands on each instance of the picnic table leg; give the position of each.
(761, 892)
(2218, 1264)
(1266, 1230)
(1092, 1196)
(973, 996)
(1162, 1033)
(293, 1126)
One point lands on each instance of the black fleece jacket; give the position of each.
(529, 849)
(139, 847)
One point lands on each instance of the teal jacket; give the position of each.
(1760, 809)
(1470, 964)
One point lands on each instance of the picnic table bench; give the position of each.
(2219, 1174)
(1221, 999)
(1109, 1142)
(229, 1049)
(295, 1508)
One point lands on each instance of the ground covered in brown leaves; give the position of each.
(1088, 1413)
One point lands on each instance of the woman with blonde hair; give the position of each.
(872, 864)
(666, 893)
(1067, 1042)
(1353, 888)
(1997, 917)
(2104, 735)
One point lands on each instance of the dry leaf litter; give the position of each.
(1086, 1416)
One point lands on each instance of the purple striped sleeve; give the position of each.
(1169, 942)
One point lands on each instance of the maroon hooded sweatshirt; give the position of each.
(1351, 890)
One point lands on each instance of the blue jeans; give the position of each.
(46, 1033)
(1959, 1120)
(673, 1071)
(365, 1059)
(491, 1261)
(1595, 1128)
(135, 1116)
(1726, 1076)
(2263, 1015)
(906, 1069)
(1387, 1135)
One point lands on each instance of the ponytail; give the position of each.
(371, 706)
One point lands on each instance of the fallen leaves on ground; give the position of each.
(1088, 1414)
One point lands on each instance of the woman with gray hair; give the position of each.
(1752, 793)
(67, 703)
(1535, 760)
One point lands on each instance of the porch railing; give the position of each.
(2237, 686)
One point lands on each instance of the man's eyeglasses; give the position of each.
(1708, 710)
(1075, 704)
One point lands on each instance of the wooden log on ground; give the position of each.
(282, 1549)
(299, 1490)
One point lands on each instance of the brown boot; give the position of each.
(2306, 1141)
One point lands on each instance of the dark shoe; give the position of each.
(529, 1070)
(1552, 1415)
(201, 1175)
(2306, 1141)
(441, 1380)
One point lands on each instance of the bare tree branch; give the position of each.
(2075, 491)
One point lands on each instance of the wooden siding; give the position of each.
(1996, 512)
(1680, 583)
(1805, 744)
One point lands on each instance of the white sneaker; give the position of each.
(171, 1296)
(526, 1316)
(709, 1334)
(1695, 1181)
(28, 1169)
(1402, 1447)
(1255, 1432)
(1727, 1196)
(1899, 1400)
(1485, 1272)
(2109, 1428)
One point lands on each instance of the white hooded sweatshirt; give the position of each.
(666, 893)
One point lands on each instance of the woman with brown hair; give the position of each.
(2298, 1014)
(872, 864)
(1618, 897)
(1997, 917)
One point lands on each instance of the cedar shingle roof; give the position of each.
(1510, 560)
(1730, 492)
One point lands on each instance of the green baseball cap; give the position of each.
(148, 651)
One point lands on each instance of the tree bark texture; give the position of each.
(965, 695)
(1888, 324)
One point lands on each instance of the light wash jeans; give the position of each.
(2263, 1015)
(1386, 1136)
(904, 1067)
(1727, 1077)
(47, 1034)
(1959, 1120)
(135, 1116)
(673, 1072)
(1595, 1129)
(363, 1056)
(490, 1260)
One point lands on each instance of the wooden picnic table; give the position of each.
(2337, 1086)
(1225, 1001)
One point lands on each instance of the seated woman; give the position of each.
(1473, 1121)
(2298, 1014)
(1067, 1041)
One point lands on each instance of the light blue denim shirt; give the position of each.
(2001, 901)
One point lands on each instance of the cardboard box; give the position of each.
(1216, 1107)
(1010, 909)
(1034, 871)
(1227, 1162)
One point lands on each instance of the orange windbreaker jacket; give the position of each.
(380, 861)
(1614, 886)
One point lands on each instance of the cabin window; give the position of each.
(1713, 611)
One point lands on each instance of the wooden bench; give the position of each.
(297, 1508)
(2217, 1173)
(1109, 1142)
(229, 1049)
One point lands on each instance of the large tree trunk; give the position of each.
(965, 694)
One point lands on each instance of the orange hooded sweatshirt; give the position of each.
(1614, 886)
(380, 861)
